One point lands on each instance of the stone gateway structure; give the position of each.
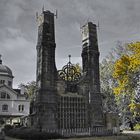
(67, 101)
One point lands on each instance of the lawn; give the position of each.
(122, 137)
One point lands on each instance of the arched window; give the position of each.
(4, 95)
(21, 108)
(5, 108)
(2, 81)
(9, 83)
(8, 96)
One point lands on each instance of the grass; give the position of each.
(127, 136)
(121, 137)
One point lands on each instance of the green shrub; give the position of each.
(7, 128)
(137, 127)
(31, 134)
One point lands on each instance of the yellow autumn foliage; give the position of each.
(134, 48)
(127, 65)
(124, 69)
(121, 67)
(132, 106)
(135, 107)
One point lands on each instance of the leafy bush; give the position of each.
(137, 127)
(32, 134)
(7, 128)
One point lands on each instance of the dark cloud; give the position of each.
(118, 20)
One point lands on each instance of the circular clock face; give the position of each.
(85, 32)
(40, 19)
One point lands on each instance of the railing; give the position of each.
(96, 131)
(99, 131)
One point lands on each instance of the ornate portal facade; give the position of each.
(67, 101)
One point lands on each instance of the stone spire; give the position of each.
(69, 57)
(0, 59)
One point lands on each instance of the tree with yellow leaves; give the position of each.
(126, 72)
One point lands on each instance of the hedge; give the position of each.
(31, 134)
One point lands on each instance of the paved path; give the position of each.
(132, 132)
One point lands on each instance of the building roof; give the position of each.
(17, 92)
(4, 70)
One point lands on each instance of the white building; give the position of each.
(13, 102)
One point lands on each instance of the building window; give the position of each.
(2, 81)
(8, 97)
(5, 108)
(9, 83)
(21, 108)
(4, 95)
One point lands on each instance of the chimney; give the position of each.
(22, 90)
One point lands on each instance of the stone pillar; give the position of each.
(46, 95)
(90, 59)
(112, 122)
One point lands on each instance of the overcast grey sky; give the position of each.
(119, 20)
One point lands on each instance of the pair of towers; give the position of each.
(47, 97)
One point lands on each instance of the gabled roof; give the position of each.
(17, 90)
(12, 90)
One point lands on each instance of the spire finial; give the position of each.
(0, 59)
(56, 14)
(69, 58)
(43, 8)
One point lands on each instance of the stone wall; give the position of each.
(112, 122)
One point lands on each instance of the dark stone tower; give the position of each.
(90, 60)
(46, 96)
(66, 101)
